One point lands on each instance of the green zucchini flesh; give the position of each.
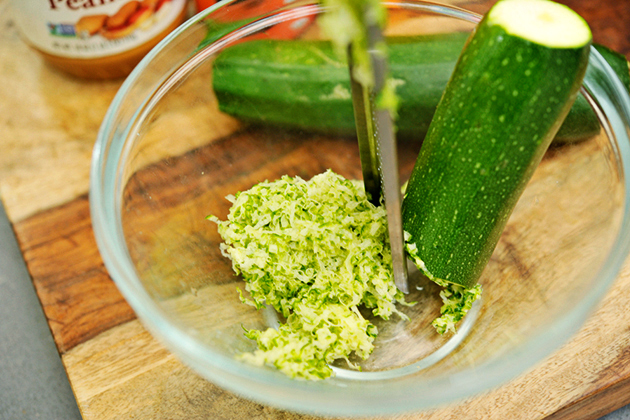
(305, 84)
(505, 101)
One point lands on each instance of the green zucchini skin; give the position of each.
(305, 85)
(581, 122)
(503, 105)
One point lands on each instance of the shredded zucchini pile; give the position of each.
(456, 302)
(315, 251)
(456, 299)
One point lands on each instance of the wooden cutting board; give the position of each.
(48, 124)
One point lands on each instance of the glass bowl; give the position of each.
(166, 157)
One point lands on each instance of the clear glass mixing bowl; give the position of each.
(166, 157)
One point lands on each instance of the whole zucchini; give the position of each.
(513, 85)
(304, 84)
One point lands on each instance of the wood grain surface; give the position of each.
(48, 124)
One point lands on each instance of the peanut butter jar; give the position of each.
(96, 39)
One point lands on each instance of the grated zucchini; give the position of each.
(315, 251)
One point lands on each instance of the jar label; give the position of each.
(93, 28)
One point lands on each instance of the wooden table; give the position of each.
(48, 125)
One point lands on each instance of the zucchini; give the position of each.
(581, 122)
(305, 84)
(513, 85)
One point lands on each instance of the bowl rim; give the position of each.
(271, 387)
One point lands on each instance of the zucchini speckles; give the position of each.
(477, 158)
